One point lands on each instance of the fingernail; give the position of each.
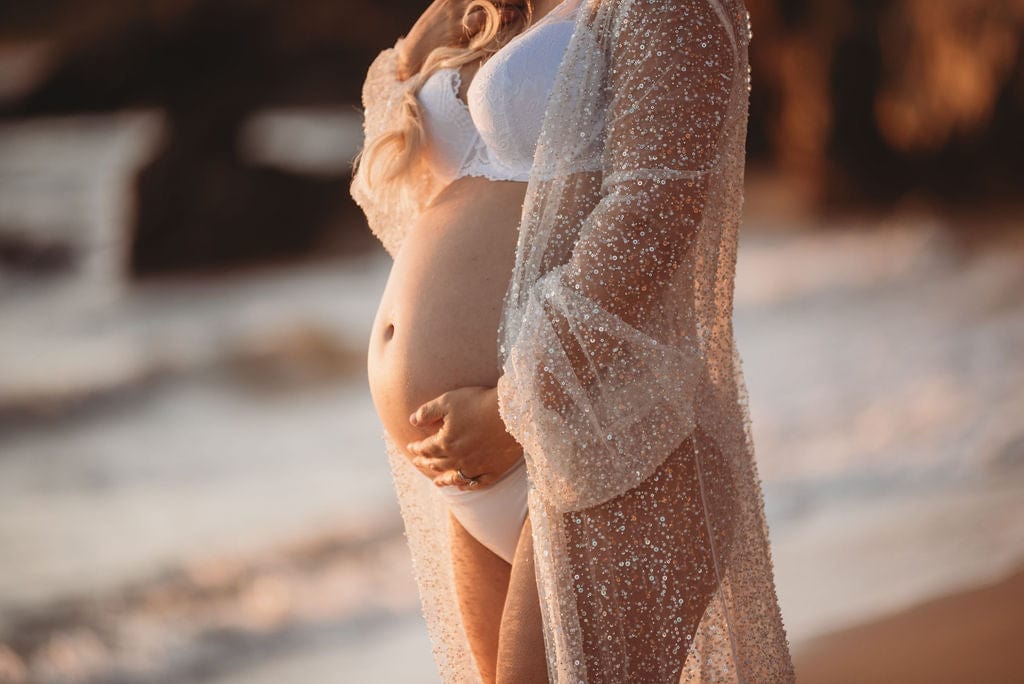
(412, 419)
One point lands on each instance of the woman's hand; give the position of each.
(470, 436)
(441, 25)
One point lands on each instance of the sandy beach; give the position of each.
(973, 635)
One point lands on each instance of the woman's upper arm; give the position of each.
(672, 74)
(606, 361)
(383, 93)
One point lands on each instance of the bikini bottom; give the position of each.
(494, 515)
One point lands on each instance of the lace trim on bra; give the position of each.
(456, 87)
(478, 160)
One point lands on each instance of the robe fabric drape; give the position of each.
(621, 378)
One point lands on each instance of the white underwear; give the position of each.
(494, 515)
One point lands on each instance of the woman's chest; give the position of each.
(508, 94)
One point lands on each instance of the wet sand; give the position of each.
(970, 636)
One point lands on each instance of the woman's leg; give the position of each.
(481, 582)
(521, 657)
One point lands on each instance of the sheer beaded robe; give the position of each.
(621, 378)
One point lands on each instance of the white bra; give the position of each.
(495, 134)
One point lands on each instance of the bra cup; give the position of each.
(509, 94)
(448, 127)
(494, 134)
(554, 153)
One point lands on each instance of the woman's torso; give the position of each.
(436, 326)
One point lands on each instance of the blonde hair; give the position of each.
(391, 159)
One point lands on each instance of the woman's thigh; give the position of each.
(521, 656)
(481, 582)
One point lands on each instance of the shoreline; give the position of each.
(970, 635)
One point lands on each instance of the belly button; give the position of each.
(389, 332)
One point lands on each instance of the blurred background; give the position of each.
(192, 482)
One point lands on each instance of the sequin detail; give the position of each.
(622, 378)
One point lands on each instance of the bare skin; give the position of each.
(482, 580)
(432, 363)
(470, 436)
(498, 602)
(521, 640)
(500, 608)
(436, 326)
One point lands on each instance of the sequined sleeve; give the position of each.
(621, 378)
(388, 216)
(614, 373)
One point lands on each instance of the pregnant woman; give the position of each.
(559, 184)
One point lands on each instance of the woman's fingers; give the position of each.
(430, 464)
(432, 411)
(434, 446)
(474, 22)
(450, 478)
(447, 479)
(510, 5)
(509, 10)
(482, 481)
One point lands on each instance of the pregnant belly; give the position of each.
(437, 324)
